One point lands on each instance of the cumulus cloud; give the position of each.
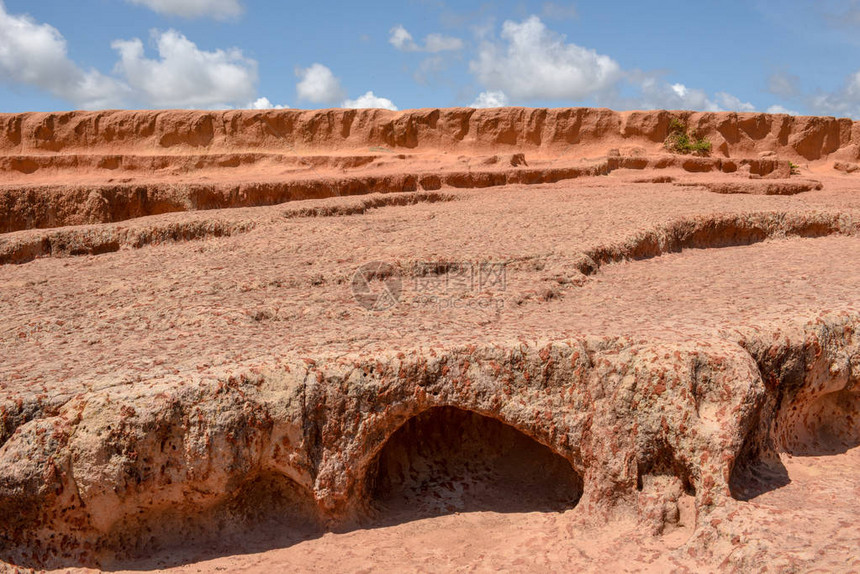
(183, 76)
(35, 54)
(402, 40)
(533, 62)
(218, 9)
(318, 85)
(655, 93)
(494, 99)
(264, 104)
(369, 100)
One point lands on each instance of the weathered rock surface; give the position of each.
(95, 167)
(627, 389)
(113, 471)
(490, 130)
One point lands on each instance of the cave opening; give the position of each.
(448, 460)
(827, 425)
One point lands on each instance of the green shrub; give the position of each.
(795, 169)
(680, 141)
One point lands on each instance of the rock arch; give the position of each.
(447, 459)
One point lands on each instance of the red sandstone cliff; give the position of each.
(59, 169)
(551, 131)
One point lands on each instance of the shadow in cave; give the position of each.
(827, 426)
(753, 477)
(443, 461)
(447, 460)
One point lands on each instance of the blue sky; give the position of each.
(764, 55)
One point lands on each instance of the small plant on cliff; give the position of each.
(795, 169)
(680, 141)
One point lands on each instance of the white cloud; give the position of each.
(184, 76)
(434, 44)
(680, 90)
(402, 40)
(654, 93)
(533, 62)
(733, 103)
(777, 109)
(495, 99)
(369, 100)
(843, 102)
(264, 104)
(318, 85)
(35, 54)
(218, 9)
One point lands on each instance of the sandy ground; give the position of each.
(810, 525)
(285, 288)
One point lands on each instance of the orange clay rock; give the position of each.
(114, 471)
(94, 167)
(505, 339)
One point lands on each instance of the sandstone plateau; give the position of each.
(432, 340)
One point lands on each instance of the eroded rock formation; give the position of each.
(184, 379)
(95, 167)
(105, 473)
(490, 131)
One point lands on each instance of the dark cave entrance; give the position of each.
(449, 460)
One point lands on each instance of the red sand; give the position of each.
(667, 342)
